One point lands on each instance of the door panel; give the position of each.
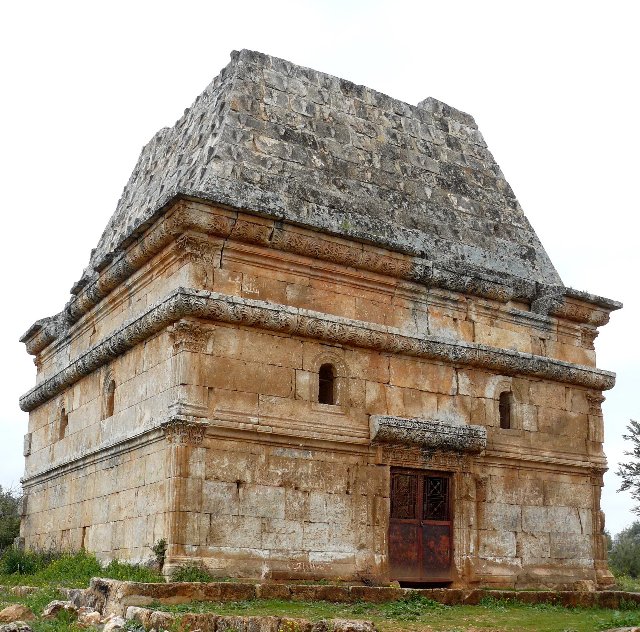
(436, 550)
(404, 550)
(420, 526)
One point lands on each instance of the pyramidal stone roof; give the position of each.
(302, 146)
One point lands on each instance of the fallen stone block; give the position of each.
(114, 623)
(52, 609)
(16, 612)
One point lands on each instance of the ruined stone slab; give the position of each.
(434, 435)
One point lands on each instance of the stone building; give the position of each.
(319, 338)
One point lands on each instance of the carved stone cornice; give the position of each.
(413, 456)
(429, 434)
(95, 285)
(196, 248)
(206, 219)
(185, 303)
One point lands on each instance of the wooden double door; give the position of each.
(420, 526)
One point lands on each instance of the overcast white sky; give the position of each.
(553, 87)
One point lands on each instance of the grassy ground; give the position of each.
(71, 570)
(50, 572)
(424, 615)
(414, 615)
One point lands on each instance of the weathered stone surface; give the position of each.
(191, 303)
(114, 623)
(329, 158)
(16, 626)
(88, 617)
(16, 612)
(23, 591)
(433, 435)
(210, 621)
(52, 609)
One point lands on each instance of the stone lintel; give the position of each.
(429, 434)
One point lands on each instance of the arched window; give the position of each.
(109, 398)
(327, 384)
(505, 409)
(63, 422)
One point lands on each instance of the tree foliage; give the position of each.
(629, 472)
(624, 556)
(9, 517)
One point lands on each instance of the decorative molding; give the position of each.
(182, 303)
(588, 336)
(581, 313)
(184, 430)
(188, 335)
(404, 455)
(595, 403)
(184, 216)
(197, 248)
(429, 434)
(95, 455)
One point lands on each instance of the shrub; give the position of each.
(77, 568)
(624, 556)
(9, 517)
(131, 573)
(191, 572)
(160, 550)
(70, 569)
(19, 562)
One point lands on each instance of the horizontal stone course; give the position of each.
(120, 595)
(185, 302)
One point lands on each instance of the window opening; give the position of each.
(327, 384)
(64, 422)
(504, 407)
(110, 395)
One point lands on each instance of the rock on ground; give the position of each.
(344, 625)
(16, 626)
(88, 617)
(23, 591)
(114, 623)
(52, 608)
(16, 612)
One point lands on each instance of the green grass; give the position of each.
(66, 569)
(419, 614)
(192, 572)
(50, 571)
(626, 583)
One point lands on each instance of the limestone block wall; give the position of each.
(168, 269)
(277, 511)
(532, 487)
(272, 481)
(96, 477)
(114, 507)
(535, 526)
